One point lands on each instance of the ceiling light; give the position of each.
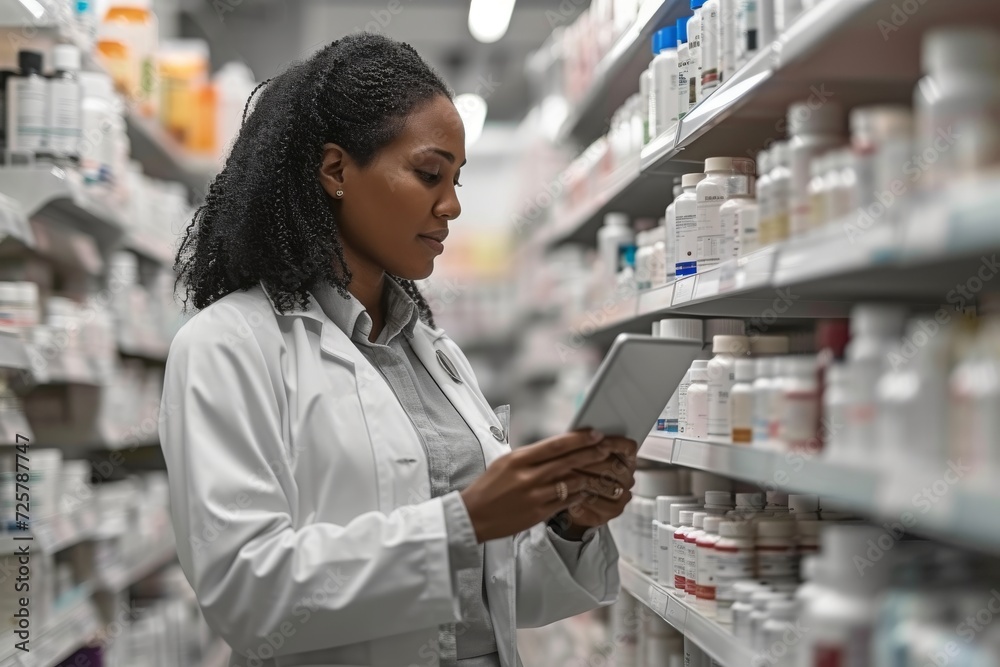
(489, 19)
(472, 109)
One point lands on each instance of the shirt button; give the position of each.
(497, 433)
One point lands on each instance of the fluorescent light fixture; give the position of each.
(472, 109)
(489, 19)
(37, 10)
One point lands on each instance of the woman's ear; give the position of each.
(331, 170)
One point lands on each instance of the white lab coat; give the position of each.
(301, 503)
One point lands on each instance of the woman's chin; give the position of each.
(419, 272)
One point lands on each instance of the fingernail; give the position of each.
(595, 436)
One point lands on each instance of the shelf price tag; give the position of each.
(658, 600)
(676, 614)
(684, 290)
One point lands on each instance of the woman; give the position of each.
(340, 489)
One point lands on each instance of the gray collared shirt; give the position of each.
(454, 458)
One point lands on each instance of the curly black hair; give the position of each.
(266, 219)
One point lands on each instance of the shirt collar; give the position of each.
(351, 317)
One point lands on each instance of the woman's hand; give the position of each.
(523, 488)
(607, 492)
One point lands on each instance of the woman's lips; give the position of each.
(436, 246)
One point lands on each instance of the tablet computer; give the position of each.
(633, 384)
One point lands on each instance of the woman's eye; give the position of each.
(428, 176)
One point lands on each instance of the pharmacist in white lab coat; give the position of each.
(341, 491)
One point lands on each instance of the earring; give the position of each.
(340, 193)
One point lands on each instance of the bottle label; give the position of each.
(800, 420)
(776, 562)
(710, 52)
(28, 109)
(710, 232)
(64, 116)
(686, 233)
(679, 557)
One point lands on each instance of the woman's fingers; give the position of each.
(557, 446)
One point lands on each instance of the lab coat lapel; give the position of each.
(462, 395)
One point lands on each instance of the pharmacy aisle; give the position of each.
(101, 162)
(809, 189)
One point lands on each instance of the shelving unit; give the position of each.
(713, 638)
(835, 51)
(874, 490)
(54, 193)
(918, 259)
(68, 631)
(123, 576)
(162, 157)
(613, 79)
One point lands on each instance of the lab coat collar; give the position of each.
(328, 336)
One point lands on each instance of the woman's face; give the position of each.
(393, 215)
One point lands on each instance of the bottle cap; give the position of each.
(655, 332)
(826, 119)
(880, 320)
(682, 329)
(96, 85)
(873, 125)
(699, 363)
(616, 219)
(775, 528)
(682, 29)
(744, 370)
(780, 155)
(801, 502)
(719, 499)
(962, 49)
(736, 529)
(698, 519)
(750, 500)
(745, 589)
(675, 512)
(781, 610)
(768, 345)
(723, 327)
(651, 483)
(699, 374)
(760, 599)
(764, 368)
(686, 517)
(691, 180)
(736, 165)
(665, 503)
(722, 344)
(665, 38)
(777, 499)
(763, 162)
(711, 524)
(801, 366)
(29, 62)
(697, 4)
(65, 58)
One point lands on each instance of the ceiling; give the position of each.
(268, 34)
